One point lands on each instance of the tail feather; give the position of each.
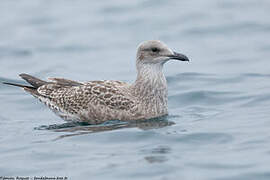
(35, 82)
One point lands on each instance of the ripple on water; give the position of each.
(264, 175)
(259, 99)
(221, 166)
(201, 97)
(161, 149)
(14, 52)
(205, 138)
(228, 29)
(157, 154)
(218, 90)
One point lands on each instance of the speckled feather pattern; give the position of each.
(94, 101)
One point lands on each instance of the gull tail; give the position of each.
(35, 82)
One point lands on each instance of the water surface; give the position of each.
(218, 127)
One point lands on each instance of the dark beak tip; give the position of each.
(179, 56)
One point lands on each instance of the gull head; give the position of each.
(156, 52)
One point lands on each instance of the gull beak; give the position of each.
(178, 56)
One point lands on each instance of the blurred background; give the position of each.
(218, 127)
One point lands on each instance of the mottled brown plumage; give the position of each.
(98, 101)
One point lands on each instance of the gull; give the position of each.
(96, 102)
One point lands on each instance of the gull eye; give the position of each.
(154, 49)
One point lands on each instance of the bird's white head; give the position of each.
(156, 52)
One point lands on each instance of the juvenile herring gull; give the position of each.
(95, 102)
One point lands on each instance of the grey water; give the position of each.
(219, 103)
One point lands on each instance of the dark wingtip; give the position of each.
(5, 83)
(18, 85)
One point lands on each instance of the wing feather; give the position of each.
(74, 99)
(65, 82)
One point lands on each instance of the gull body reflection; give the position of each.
(74, 129)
